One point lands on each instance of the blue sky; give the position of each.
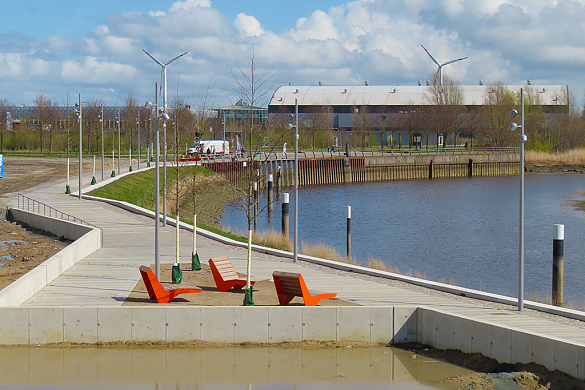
(94, 48)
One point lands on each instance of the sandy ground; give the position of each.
(21, 173)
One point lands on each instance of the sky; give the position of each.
(94, 48)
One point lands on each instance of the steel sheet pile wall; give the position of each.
(323, 171)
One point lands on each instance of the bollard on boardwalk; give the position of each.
(348, 233)
(270, 194)
(558, 269)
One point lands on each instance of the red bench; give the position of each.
(225, 275)
(160, 293)
(289, 285)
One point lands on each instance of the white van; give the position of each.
(209, 147)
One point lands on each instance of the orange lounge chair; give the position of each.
(225, 275)
(160, 293)
(289, 285)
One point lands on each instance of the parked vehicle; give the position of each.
(209, 147)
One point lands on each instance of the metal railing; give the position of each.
(29, 204)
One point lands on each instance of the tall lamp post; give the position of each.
(102, 123)
(79, 112)
(119, 146)
(164, 115)
(514, 126)
(296, 215)
(164, 87)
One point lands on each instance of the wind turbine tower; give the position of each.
(439, 72)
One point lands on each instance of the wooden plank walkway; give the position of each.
(106, 277)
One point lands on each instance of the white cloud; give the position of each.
(94, 71)
(248, 25)
(318, 26)
(188, 5)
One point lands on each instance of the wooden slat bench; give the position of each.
(225, 275)
(289, 285)
(160, 293)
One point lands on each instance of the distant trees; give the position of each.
(446, 109)
(497, 104)
(47, 112)
(316, 120)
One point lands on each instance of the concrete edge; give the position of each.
(275, 324)
(460, 291)
(86, 241)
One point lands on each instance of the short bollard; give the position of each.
(558, 269)
(285, 206)
(255, 208)
(177, 274)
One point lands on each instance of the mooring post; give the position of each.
(278, 181)
(270, 194)
(285, 207)
(558, 269)
(255, 205)
(470, 168)
(349, 233)
(431, 170)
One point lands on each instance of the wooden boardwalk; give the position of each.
(106, 277)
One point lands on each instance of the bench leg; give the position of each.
(284, 300)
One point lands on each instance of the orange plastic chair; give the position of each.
(160, 293)
(289, 285)
(225, 275)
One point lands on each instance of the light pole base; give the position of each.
(113, 173)
(130, 170)
(195, 263)
(67, 190)
(248, 301)
(148, 164)
(93, 181)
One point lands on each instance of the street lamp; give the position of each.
(102, 123)
(514, 126)
(164, 115)
(296, 216)
(119, 149)
(79, 112)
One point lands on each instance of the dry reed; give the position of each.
(571, 157)
(324, 251)
(273, 239)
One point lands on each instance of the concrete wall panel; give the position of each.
(382, 320)
(285, 323)
(80, 325)
(354, 323)
(462, 334)
(46, 325)
(218, 324)
(481, 338)
(148, 324)
(521, 347)
(427, 326)
(320, 323)
(567, 358)
(183, 323)
(501, 343)
(405, 325)
(251, 324)
(114, 324)
(14, 326)
(444, 331)
(544, 351)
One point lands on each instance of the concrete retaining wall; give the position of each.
(505, 344)
(39, 325)
(87, 241)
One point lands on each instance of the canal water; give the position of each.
(465, 229)
(258, 368)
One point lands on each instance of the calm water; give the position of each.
(461, 228)
(88, 368)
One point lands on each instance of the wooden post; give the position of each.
(470, 168)
(348, 233)
(431, 170)
(270, 194)
(558, 269)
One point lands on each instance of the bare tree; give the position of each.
(316, 120)
(361, 122)
(498, 103)
(47, 116)
(446, 99)
(130, 125)
(252, 88)
(5, 127)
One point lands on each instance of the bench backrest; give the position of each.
(152, 283)
(290, 282)
(224, 267)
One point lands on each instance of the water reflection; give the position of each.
(268, 368)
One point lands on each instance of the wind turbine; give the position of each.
(163, 79)
(439, 72)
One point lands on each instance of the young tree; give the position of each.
(6, 123)
(251, 87)
(48, 114)
(446, 101)
(361, 122)
(316, 120)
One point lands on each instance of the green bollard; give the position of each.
(113, 173)
(248, 301)
(177, 274)
(93, 181)
(195, 263)
(67, 189)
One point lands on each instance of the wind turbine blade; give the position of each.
(155, 60)
(179, 56)
(452, 61)
(432, 58)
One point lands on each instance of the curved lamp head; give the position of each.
(165, 116)
(289, 126)
(513, 126)
(148, 105)
(513, 113)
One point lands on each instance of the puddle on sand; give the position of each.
(4, 248)
(258, 368)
